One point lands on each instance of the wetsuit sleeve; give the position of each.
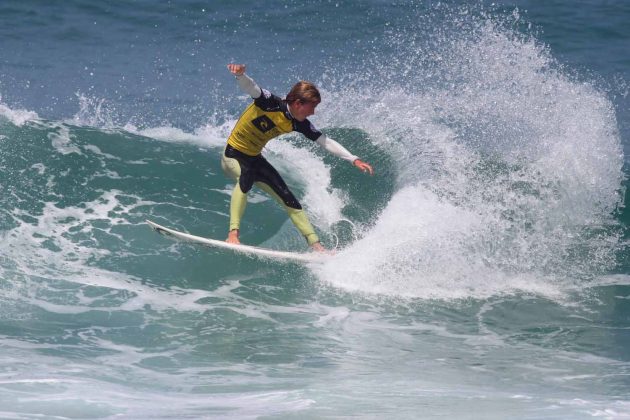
(307, 128)
(248, 85)
(262, 97)
(268, 101)
(335, 148)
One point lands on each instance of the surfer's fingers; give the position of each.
(236, 69)
(364, 167)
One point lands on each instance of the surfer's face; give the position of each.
(302, 110)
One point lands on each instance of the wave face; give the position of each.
(483, 265)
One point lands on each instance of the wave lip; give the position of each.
(17, 117)
(509, 167)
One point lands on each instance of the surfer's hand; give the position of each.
(363, 166)
(236, 69)
(233, 237)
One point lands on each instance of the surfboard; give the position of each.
(250, 250)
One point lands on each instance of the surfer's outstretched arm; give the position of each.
(245, 82)
(338, 150)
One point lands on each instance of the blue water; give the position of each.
(483, 271)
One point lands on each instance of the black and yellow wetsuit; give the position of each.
(268, 117)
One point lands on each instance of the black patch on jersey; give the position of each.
(263, 123)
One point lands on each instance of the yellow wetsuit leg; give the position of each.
(238, 202)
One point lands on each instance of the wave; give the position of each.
(497, 172)
(509, 169)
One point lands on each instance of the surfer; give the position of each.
(267, 117)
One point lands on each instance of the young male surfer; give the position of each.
(267, 117)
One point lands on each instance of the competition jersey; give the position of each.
(267, 117)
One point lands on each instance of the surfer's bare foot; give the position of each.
(233, 237)
(317, 246)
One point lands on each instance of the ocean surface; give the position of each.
(483, 272)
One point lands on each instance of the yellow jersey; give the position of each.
(267, 117)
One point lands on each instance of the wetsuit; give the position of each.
(267, 117)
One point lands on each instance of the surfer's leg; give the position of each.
(230, 166)
(297, 216)
(269, 180)
(238, 201)
(241, 167)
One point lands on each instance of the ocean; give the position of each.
(482, 272)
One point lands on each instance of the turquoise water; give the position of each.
(482, 272)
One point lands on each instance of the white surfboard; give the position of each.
(311, 257)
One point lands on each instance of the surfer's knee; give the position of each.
(292, 203)
(287, 197)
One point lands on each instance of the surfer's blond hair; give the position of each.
(304, 91)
